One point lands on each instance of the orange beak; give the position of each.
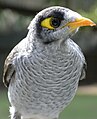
(81, 22)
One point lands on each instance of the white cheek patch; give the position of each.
(71, 16)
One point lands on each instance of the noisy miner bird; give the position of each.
(42, 72)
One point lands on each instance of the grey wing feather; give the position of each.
(8, 74)
(9, 70)
(79, 51)
(84, 68)
(83, 73)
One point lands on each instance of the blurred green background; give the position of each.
(15, 16)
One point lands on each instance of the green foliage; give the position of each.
(54, 1)
(10, 21)
(92, 14)
(82, 107)
(4, 109)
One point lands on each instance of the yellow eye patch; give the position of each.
(51, 23)
(47, 23)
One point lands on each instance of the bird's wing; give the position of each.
(84, 64)
(84, 68)
(83, 73)
(9, 70)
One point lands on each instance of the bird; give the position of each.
(43, 70)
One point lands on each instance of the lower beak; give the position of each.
(81, 22)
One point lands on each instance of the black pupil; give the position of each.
(55, 22)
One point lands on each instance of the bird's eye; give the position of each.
(55, 22)
(51, 23)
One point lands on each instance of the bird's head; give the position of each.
(55, 23)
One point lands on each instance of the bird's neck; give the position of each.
(58, 45)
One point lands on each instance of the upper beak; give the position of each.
(81, 22)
